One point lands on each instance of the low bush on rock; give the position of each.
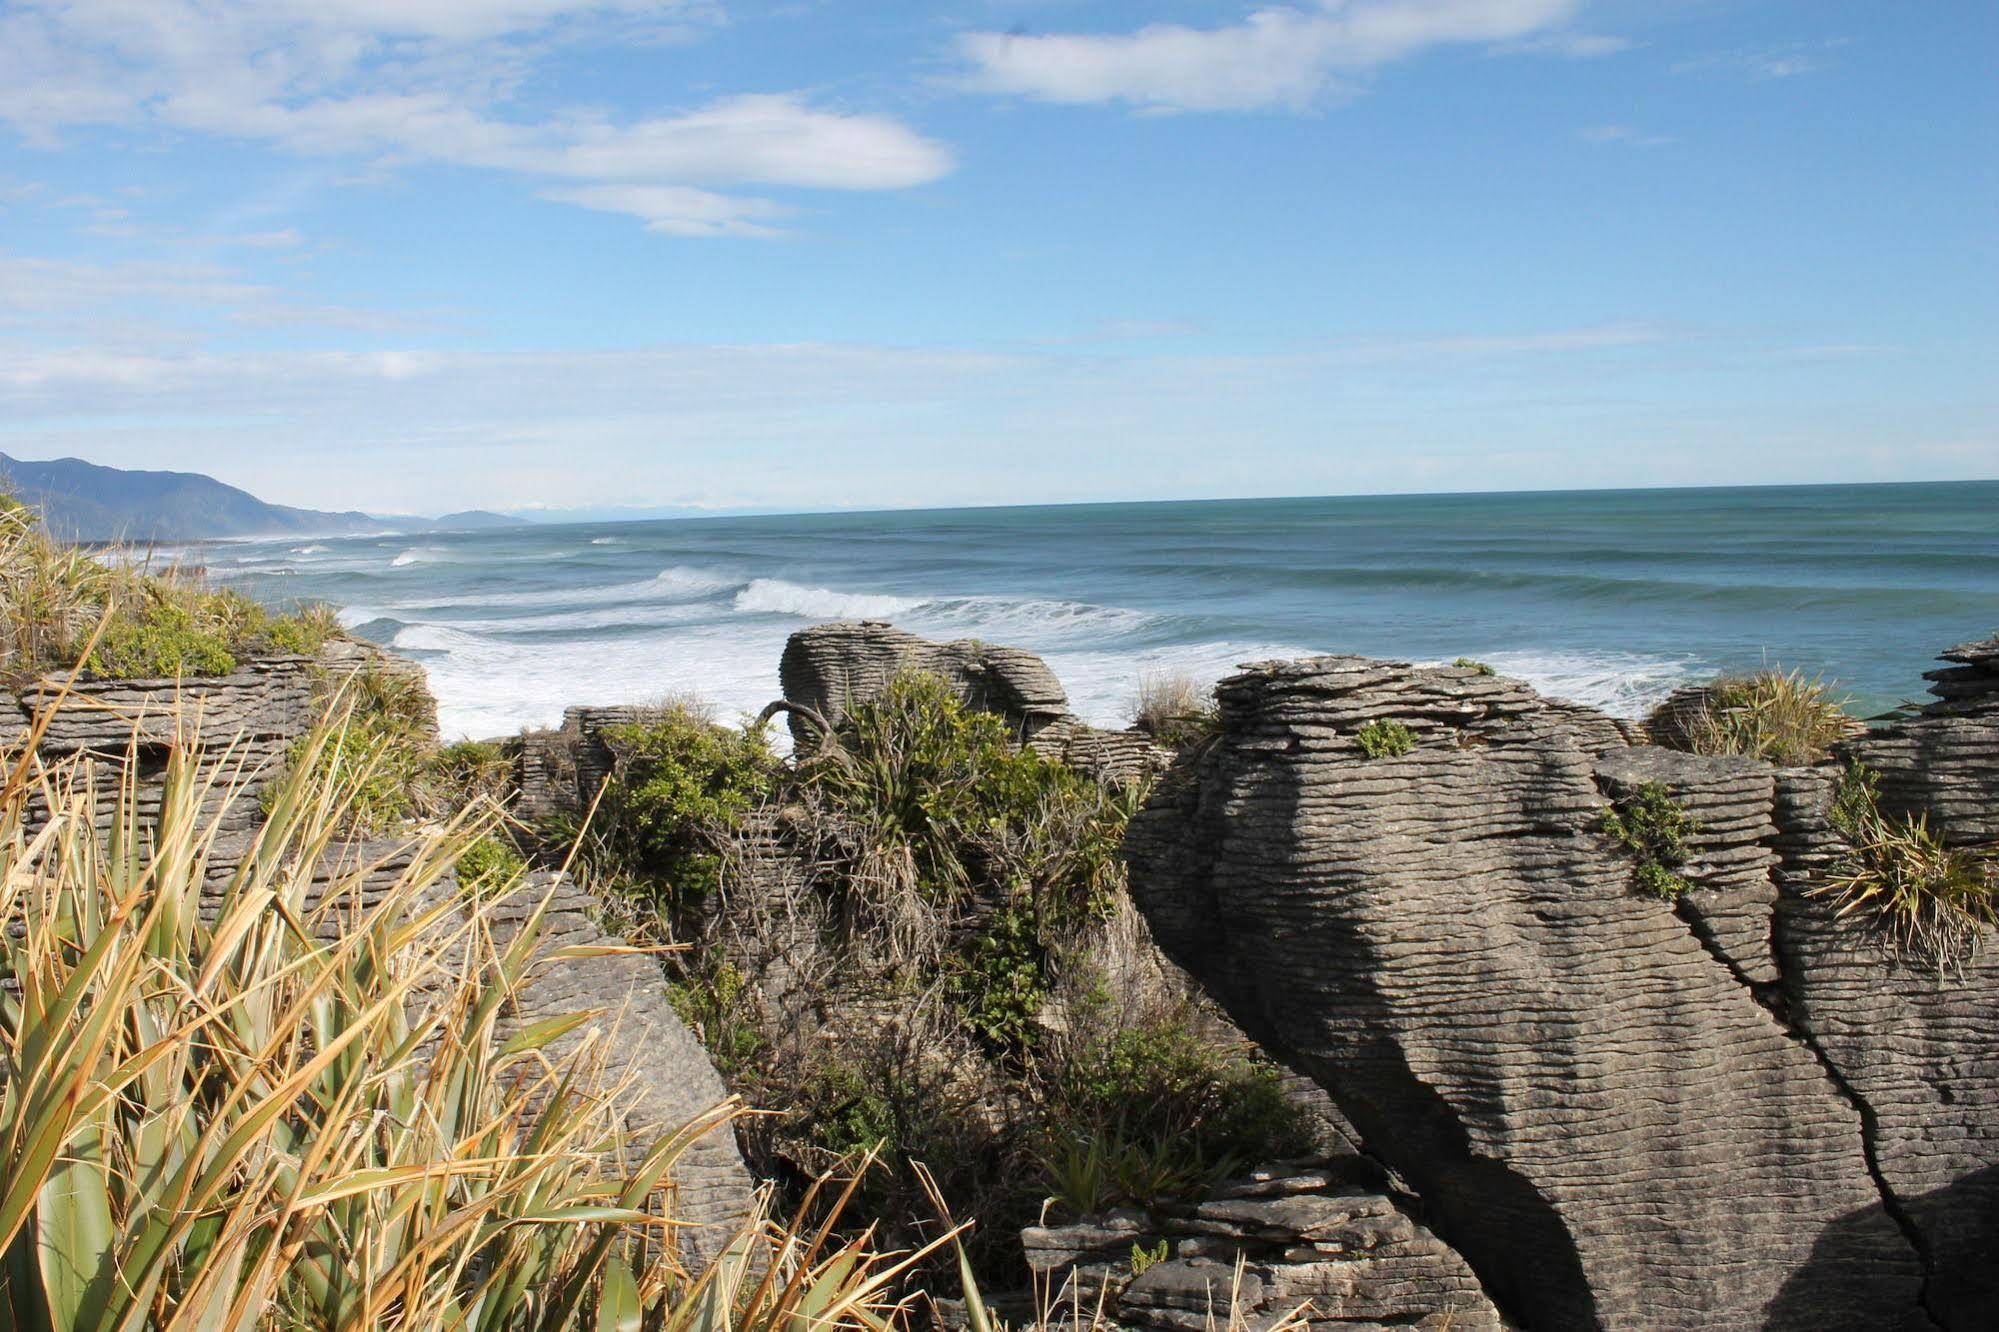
(1473, 665)
(911, 984)
(1652, 828)
(678, 783)
(1155, 1114)
(1384, 738)
(60, 606)
(1931, 899)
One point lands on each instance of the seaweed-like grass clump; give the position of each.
(1652, 828)
(1474, 665)
(1783, 717)
(1933, 900)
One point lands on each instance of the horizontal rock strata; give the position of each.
(1596, 1105)
(1317, 1238)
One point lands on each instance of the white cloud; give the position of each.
(1775, 63)
(678, 210)
(395, 82)
(1278, 57)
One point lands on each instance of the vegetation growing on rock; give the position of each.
(1652, 828)
(60, 606)
(1473, 665)
(1173, 709)
(1384, 737)
(1930, 898)
(1781, 717)
(956, 895)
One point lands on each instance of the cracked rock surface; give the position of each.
(1730, 1111)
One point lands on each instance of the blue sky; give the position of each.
(423, 254)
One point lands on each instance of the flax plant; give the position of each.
(250, 1095)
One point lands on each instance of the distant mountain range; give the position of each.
(82, 501)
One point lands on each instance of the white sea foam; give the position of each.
(309, 550)
(1623, 684)
(414, 555)
(603, 541)
(775, 596)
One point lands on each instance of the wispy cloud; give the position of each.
(1275, 58)
(392, 83)
(1624, 134)
(1783, 62)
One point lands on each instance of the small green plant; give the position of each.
(1653, 829)
(1385, 738)
(1143, 1258)
(490, 863)
(1473, 665)
(1932, 899)
(304, 632)
(998, 984)
(1779, 716)
(469, 770)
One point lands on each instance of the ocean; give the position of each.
(1608, 597)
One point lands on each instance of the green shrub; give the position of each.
(490, 863)
(1385, 738)
(1932, 899)
(1653, 829)
(677, 782)
(1155, 1114)
(303, 632)
(469, 770)
(382, 751)
(1778, 716)
(164, 640)
(998, 983)
(943, 796)
(1473, 665)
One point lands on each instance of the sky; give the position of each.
(422, 255)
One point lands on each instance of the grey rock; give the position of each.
(1599, 1112)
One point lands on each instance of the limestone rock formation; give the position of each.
(1323, 1237)
(1625, 1112)
(830, 667)
(1918, 1045)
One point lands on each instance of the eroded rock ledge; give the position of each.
(1732, 1111)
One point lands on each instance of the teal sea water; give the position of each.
(1609, 597)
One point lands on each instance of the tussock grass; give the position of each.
(1173, 708)
(1780, 716)
(1932, 900)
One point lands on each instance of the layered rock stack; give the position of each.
(1730, 1110)
(1322, 1239)
(831, 667)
